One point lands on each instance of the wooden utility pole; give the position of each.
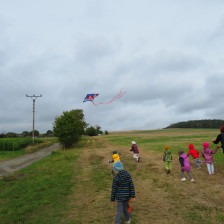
(34, 100)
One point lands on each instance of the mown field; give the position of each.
(73, 186)
(176, 138)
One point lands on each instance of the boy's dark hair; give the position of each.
(181, 151)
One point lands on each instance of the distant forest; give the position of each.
(198, 124)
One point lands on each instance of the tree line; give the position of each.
(69, 127)
(209, 123)
(26, 134)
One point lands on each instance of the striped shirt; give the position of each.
(122, 188)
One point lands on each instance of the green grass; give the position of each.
(100, 177)
(11, 154)
(37, 193)
(40, 193)
(176, 138)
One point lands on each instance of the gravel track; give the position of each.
(9, 166)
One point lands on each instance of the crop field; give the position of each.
(24, 146)
(14, 144)
(74, 186)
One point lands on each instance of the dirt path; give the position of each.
(160, 198)
(9, 166)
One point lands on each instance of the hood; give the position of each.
(122, 175)
(115, 156)
(206, 144)
(191, 146)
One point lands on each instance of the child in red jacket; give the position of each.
(195, 155)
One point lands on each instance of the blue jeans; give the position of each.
(123, 207)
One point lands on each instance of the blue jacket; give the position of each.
(122, 188)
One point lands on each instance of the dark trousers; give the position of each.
(123, 207)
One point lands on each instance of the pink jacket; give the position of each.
(207, 154)
(186, 162)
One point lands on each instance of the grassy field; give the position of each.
(73, 186)
(176, 138)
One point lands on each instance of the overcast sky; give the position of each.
(168, 55)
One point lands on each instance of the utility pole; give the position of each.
(34, 100)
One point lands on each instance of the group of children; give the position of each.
(184, 161)
(123, 188)
(206, 154)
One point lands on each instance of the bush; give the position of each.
(68, 129)
(91, 131)
(11, 135)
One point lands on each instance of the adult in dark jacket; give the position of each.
(122, 191)
(220, 138)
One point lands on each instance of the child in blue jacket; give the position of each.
(122, 191)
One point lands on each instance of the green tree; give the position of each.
(91, 131)
(106, 132)
(49, 133)
(98, 130)
(67, 128)
(79, 116)
(36, 133)
(2, 135)
(11, 135)
(198, 124)
(26, 134)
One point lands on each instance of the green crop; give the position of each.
(14, 144)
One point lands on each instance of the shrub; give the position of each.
(91, 131)
(68, 129)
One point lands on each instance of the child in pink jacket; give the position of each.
(207, 154)
(185, 165)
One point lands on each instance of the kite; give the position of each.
(91, 97)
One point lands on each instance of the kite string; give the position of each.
(96, 104)
(112, 100)
(116, 97)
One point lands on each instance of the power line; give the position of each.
(34, 100)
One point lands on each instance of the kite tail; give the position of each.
(112, 100)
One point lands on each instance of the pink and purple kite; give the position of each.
(91, 97)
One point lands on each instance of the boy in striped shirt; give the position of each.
(122, 191)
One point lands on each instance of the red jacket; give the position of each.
(193, 152)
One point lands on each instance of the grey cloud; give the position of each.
(170, 71)
(91, 50)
